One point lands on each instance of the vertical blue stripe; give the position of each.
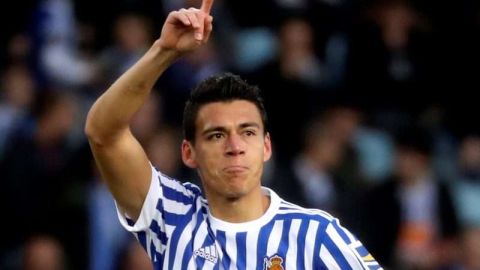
(160, 208)
(193, 188)
(173, 244)
(177, 232)
(362, 251)
(301, 240)
(336, 253)
(155, 256)
(188, 254)
(283, 246)
(175, 195)
(319, 237)
(142, 238)
(217, 265)
(200, 218)
(223, 243)
(158, 231)
(262, 242)
(157, 265)
(241, 239)
(340, 231)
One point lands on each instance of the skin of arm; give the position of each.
(122, 162)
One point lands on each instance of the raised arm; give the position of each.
(121, 160)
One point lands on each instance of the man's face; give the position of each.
(230, 148)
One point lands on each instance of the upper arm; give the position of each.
(125, 168)
(340, 248)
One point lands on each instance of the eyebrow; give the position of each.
(250, 124)
(223, 129)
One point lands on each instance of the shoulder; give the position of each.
(324, 220)
(168, 182)
(166, 190)
(290, 210)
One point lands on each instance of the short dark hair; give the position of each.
(220, 88)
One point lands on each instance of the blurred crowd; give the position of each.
(371, 112)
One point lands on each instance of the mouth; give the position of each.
(235, 169)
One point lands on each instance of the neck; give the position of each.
(239, 210)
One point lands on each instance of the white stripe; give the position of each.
(149, 209)
(328, 259)
(208, 265)
(291, 205)
(175, 185)
(159, 247)
(191, 263)
(219, 255)
(352, 238)
(190, 185)
(202, 233)
(198, 242)
(291, 256)
(356, 244)
(175, 207)
(251, 246)
(168, 230)
(213, 251)
(200, 236)
(182, 244)
(310, 212)
(231, 248)
(274, 238)
(347, 252)
(310, 237)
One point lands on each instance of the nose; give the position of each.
(235, 145)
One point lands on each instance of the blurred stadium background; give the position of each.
(372, 106)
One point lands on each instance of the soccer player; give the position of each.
(237, 223)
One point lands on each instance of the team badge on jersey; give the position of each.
(274, 262)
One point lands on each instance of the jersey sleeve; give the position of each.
(340, 249)
(167, 203)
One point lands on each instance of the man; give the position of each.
(226, 142)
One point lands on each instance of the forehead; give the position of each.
(227, 113)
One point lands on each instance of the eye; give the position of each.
(250, 133)
(215, 136)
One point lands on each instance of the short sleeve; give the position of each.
(167, 200)
(340, 249)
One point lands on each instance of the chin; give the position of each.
(233, 190)
(238, 190)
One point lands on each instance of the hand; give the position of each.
(186, 29)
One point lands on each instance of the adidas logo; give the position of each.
(208, 253)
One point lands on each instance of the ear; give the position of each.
(267, 147)
(188, 154)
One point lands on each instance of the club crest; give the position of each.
(274, 262)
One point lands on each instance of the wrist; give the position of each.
(163, 55)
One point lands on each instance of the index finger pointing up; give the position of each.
(206, 6)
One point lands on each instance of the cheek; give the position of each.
(259, 155)
(209, 158)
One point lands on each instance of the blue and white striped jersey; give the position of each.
(178, 232)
